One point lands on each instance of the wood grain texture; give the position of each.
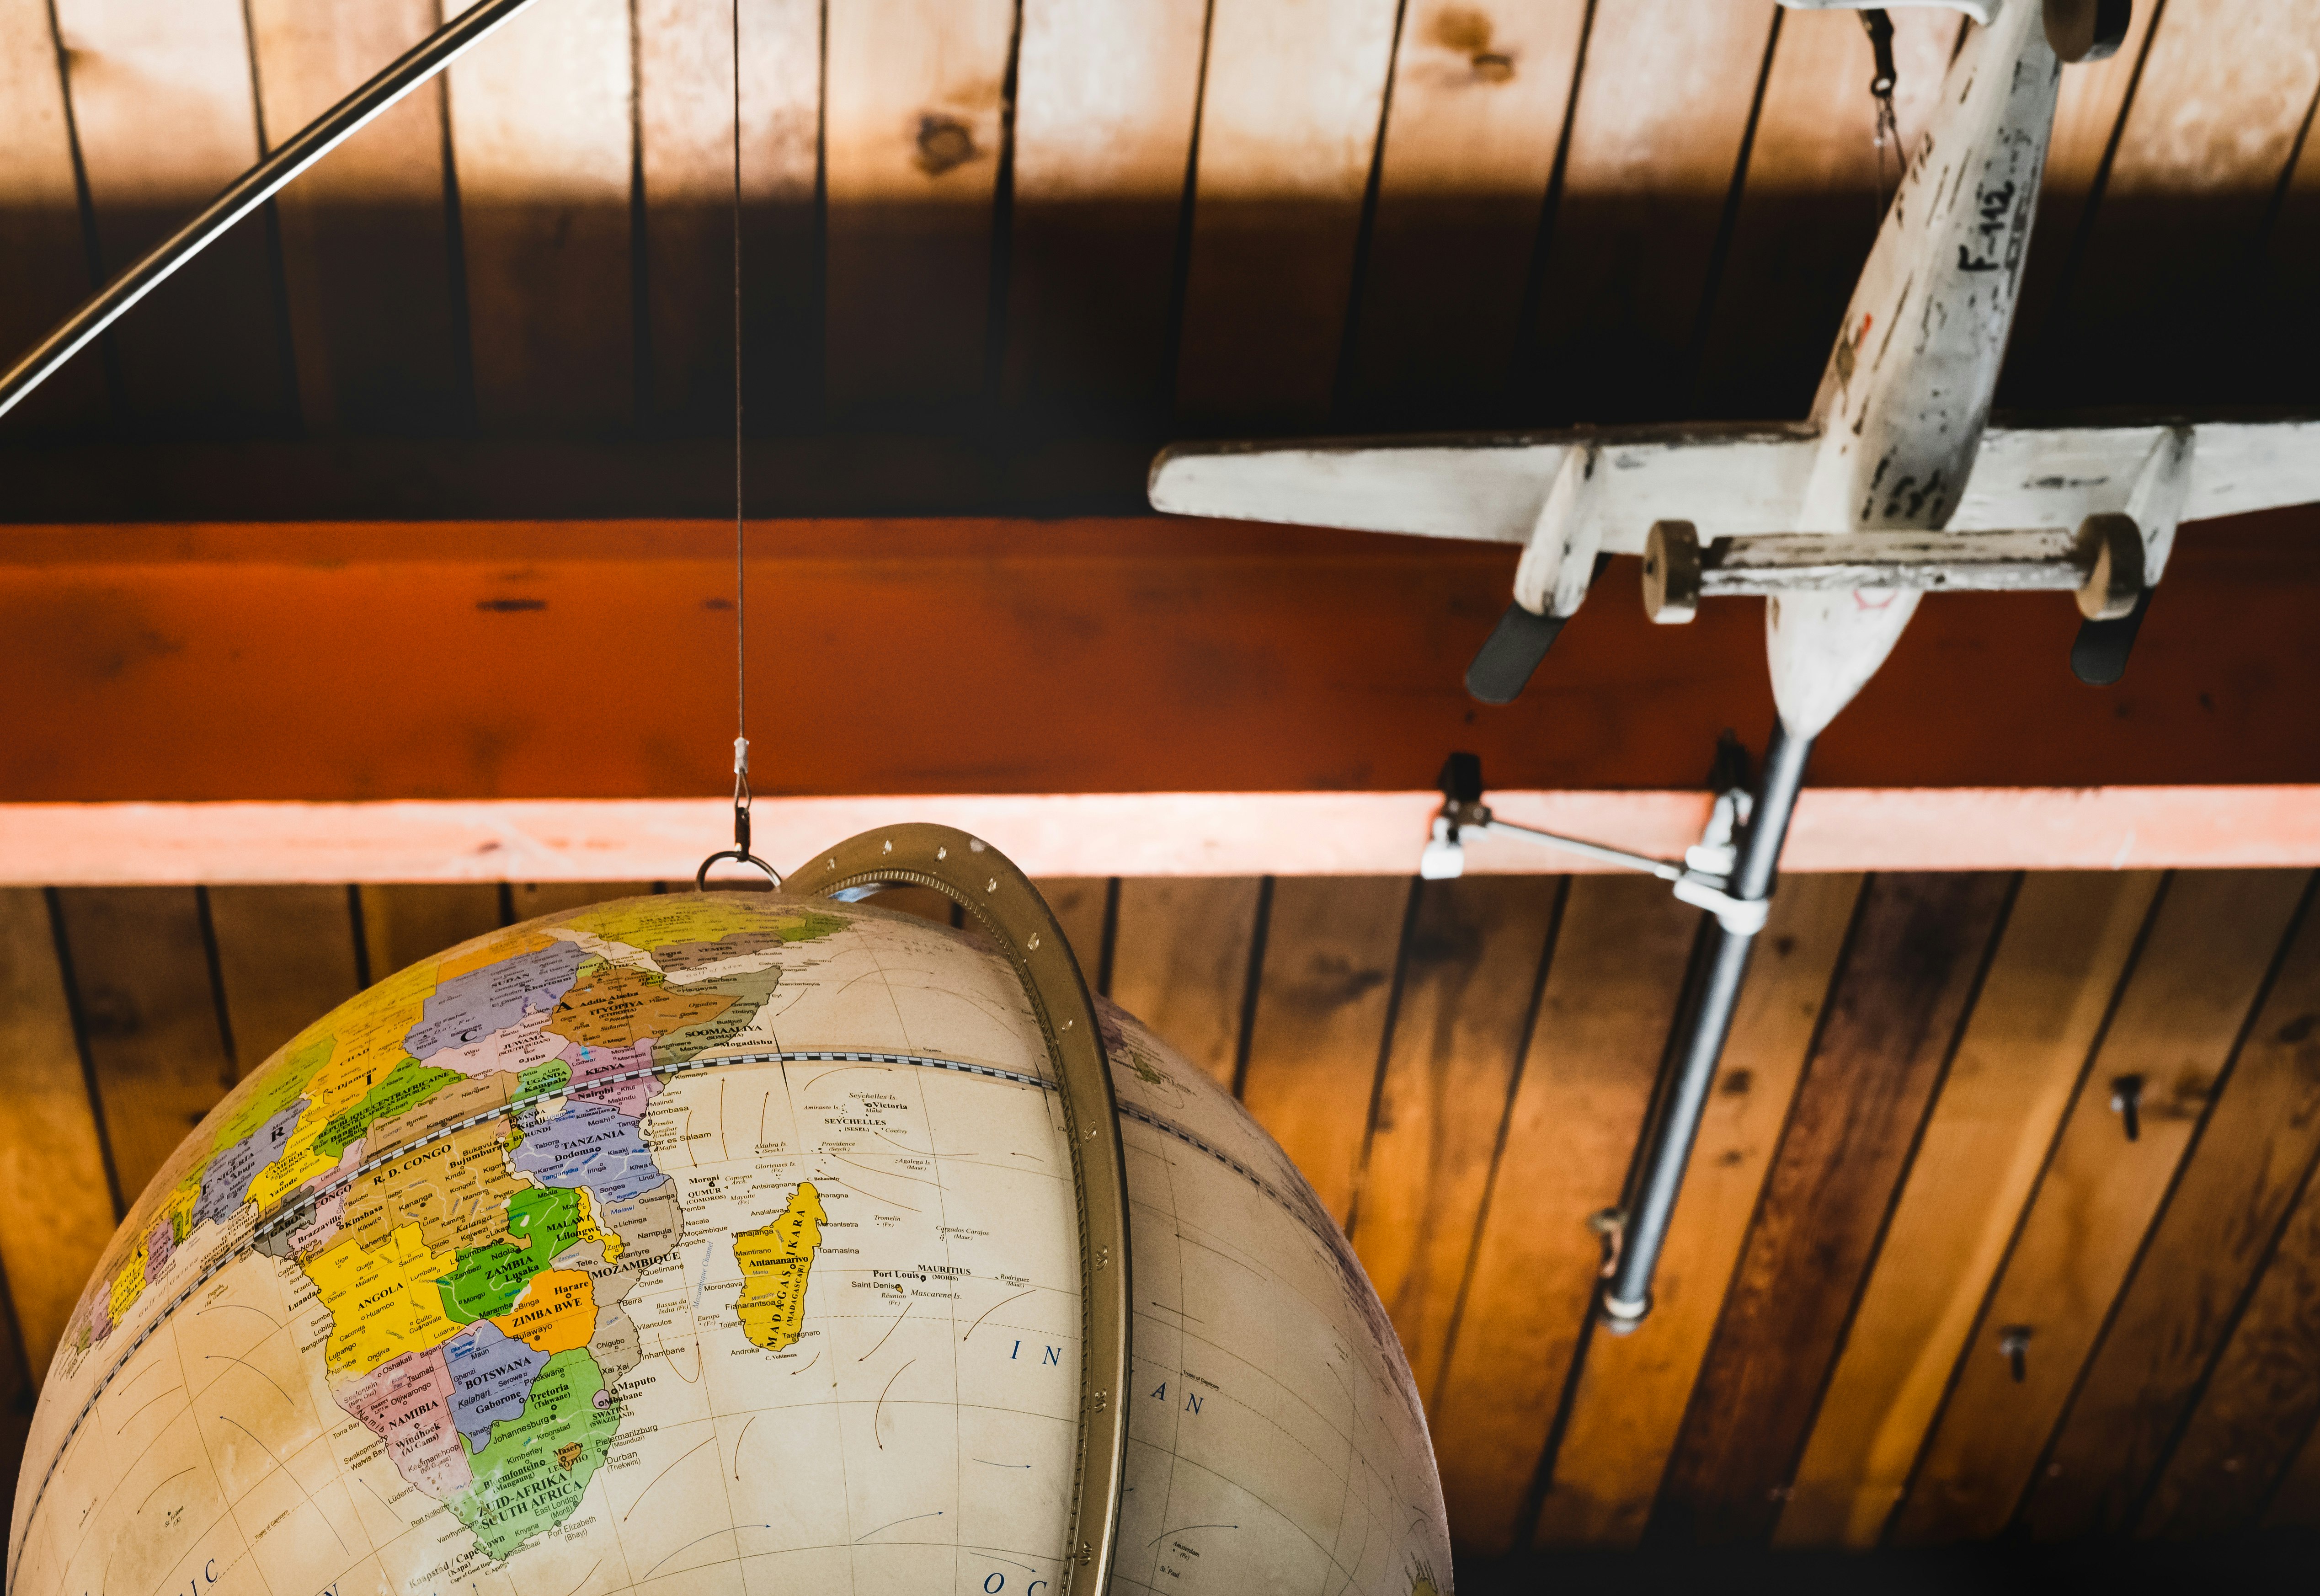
(1522, 1305)
(52, 1180)
(2291, 259)
(1632, 1391)
(1331, 945)
(1656, 142)
(2182, 1008)
(685, 113)
(151, 1020)
(912, 139)
(366, 235)
(1811, 205)
(1180, 963)
(402, 925)
(1918, 947)
(1244, 658)
(2296, 1501)
(2260, 1401)
(2066, 944)
(162, 98)
(18, 1388)
(529, 900)
(44, 256)
(1289, 125)
(2162, 269)
(2253, 1155)
(286, 957)
(2224, 92)
(541, 131)
(1078, 904)
(1103, 132)
(1480, 99)
(2089, 106)
(1459, 1031)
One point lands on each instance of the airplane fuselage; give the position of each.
(1894, 485)
(1907, 393)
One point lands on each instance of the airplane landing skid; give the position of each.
(2101, 563)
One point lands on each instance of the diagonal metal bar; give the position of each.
(253, 189)
(1666, 870)
(1627, 1290)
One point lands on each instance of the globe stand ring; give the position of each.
(1004, 904)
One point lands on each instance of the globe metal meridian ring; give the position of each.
(988, 885)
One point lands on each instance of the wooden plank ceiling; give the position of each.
(997, 249)
(1913, 1152)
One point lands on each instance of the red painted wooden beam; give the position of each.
(458, 661)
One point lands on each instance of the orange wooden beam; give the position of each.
(458, 661)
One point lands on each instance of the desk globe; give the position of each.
(718, 1243)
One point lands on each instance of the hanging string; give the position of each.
(740, 514)
(1881, 89)
(739, 851)
(741, 563)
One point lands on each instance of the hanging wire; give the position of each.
(740, 564)
(739, 852)
(1881, 89)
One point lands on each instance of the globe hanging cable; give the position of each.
(739, 852)
(1888, 135)
(740, 564)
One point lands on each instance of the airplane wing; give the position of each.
(1489, 486)
(2059, 475)
(1728, 480)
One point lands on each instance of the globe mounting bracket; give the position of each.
(1702, 878)
(739, 852)
(1729, 873)
(1005, 904)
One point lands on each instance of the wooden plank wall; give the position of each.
(998, 248)
(1911, 1154)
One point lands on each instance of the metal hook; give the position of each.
(2127, 1102)
(739, 852)
(2014, 1346)
(1610, 1227)
(1880, 41)
(739, 855)
(1886, 77)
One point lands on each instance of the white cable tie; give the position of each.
(1442, 859)
(740, 755)
(1743, 917)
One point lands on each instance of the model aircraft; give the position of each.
(1896, 485)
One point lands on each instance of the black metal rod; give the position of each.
(252, 189)
(1707, 1022)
